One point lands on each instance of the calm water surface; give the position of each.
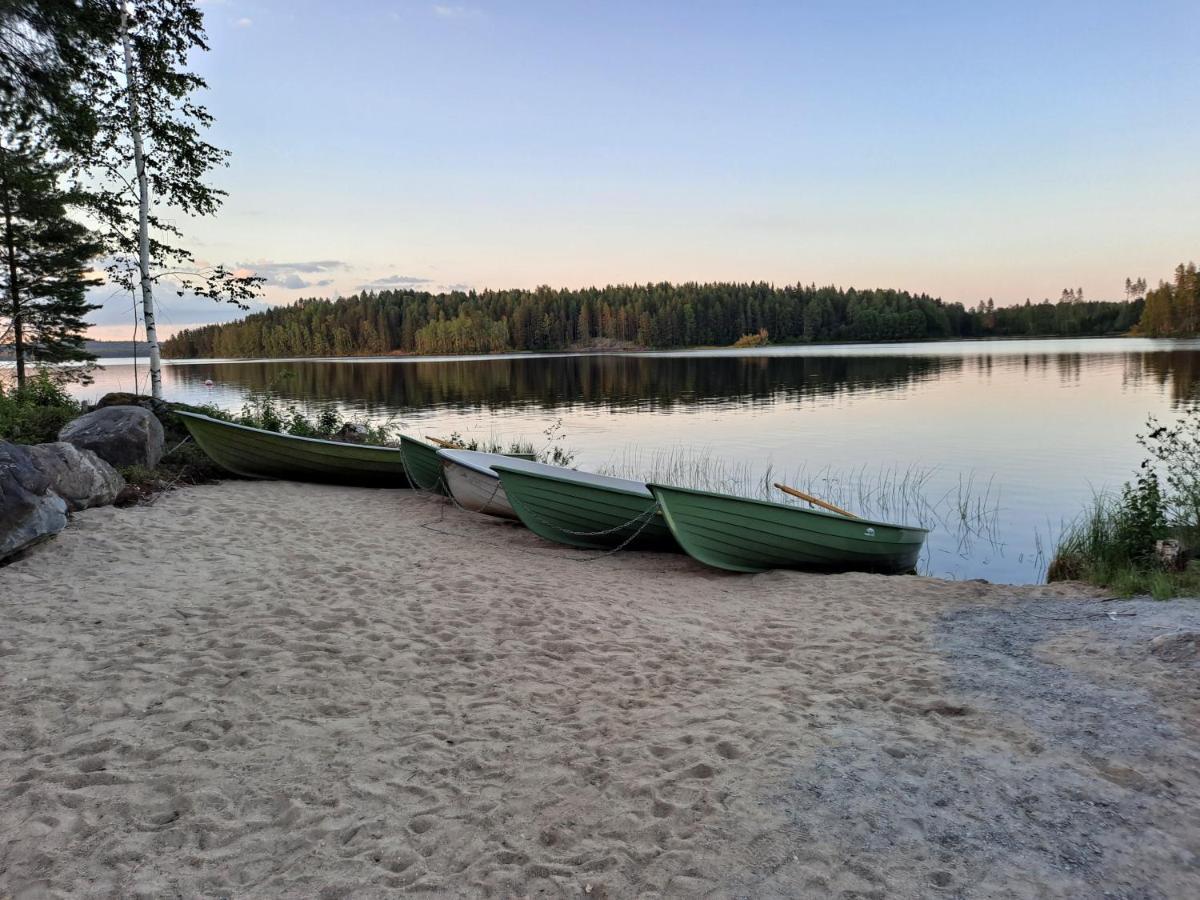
(1021, 432)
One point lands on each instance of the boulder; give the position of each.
(119, 435)
(160, 408)
(1183, 646)
(29, 510)
(80, 477)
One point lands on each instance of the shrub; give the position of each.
(553, 453)
(1175, 454)
(1113, 543)
(761, 339)
(35, 413)
(263, 412)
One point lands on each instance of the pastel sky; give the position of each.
(1004, 149)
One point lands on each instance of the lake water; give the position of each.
(994, 444)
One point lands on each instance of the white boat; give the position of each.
(474, 485)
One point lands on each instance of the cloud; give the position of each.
(289, 275)
(243, 23)
(394, 281)
(445, 11)
(114, 318)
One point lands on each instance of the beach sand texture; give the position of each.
(272, 689)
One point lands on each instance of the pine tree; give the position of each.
(45, 256)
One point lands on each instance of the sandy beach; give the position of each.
(273, 689)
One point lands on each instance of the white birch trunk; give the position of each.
(139, 160)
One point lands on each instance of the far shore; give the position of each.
(276, 689)
(639, 350)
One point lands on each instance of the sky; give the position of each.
(966, 150)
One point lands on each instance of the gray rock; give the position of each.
(119, 435)
(80, 477)
(160, 408)
(1179, 647)
(29, 510)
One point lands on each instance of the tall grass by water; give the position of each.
(968, 510)
(1096, 547)
(1139, 541)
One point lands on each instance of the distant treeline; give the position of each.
(1173, 308)
(651, 315)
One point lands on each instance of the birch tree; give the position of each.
(149, 160)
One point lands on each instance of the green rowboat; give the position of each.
(581, 509)
(744, 535)
(423, 465)
(257, 453)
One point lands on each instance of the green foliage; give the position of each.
(1175, 455)
(45, 47)
(1139, 519)
(553, 452)
(1113, 542)
(1173, 308)
(43, 256)
(648, 315)
(143, 101)
(264, 412)
(35, 413)
(491, 445)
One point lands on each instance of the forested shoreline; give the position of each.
(655, 316)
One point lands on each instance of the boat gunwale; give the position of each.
(412, 440)
(447, 457)
(612, 489)
(772, 504)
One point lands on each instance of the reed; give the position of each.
(1111, 544)
(969, 510)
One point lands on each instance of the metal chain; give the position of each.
(643, 519)
(481, 509)
(629, 540)
(416, 485)
(647, 514)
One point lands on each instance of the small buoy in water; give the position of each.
(208, 382)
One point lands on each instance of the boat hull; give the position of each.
(587, 516)
(743, 535)
(422, 464)
(477, 491)
(257, 453)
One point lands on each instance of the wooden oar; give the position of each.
(815, 500)
(441, 443)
